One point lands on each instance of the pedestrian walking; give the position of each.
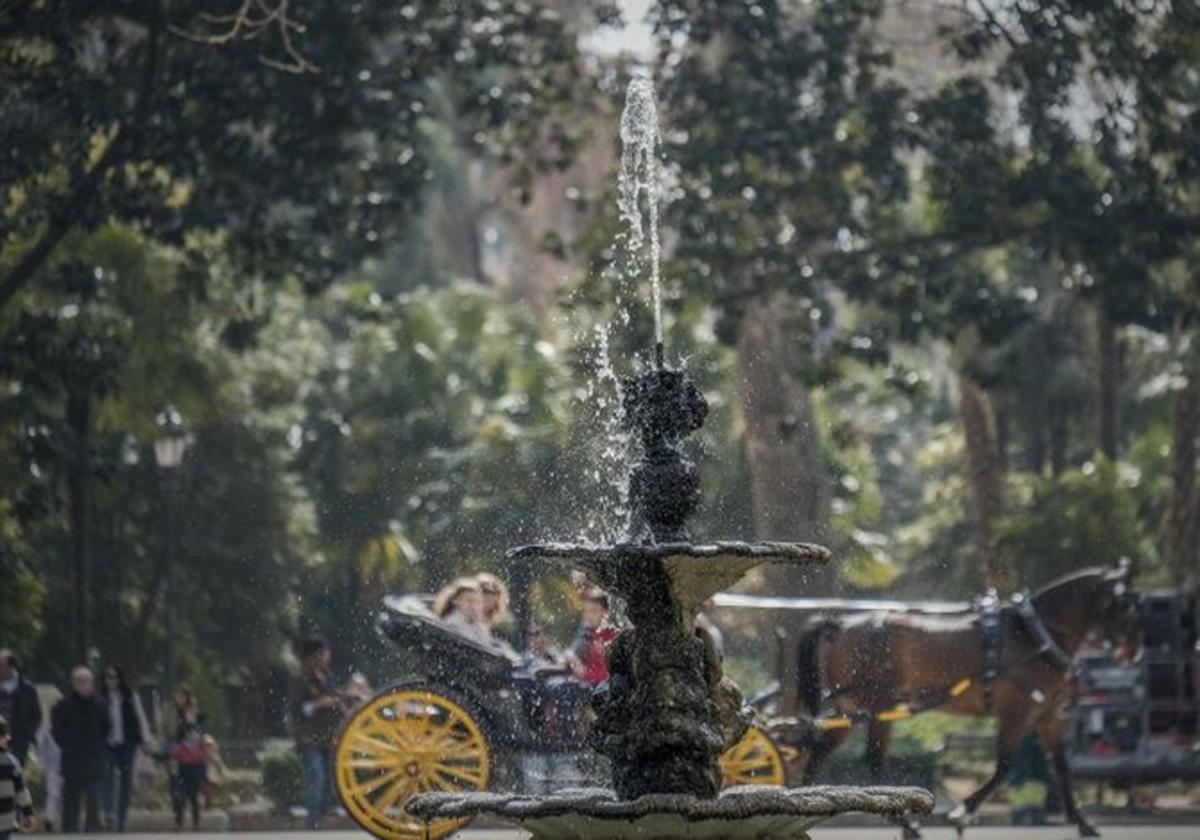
(79, 724)
(19, 706)
(189, 777)
(16, 804)
(50, 760)
(317, 712)
(127, 731)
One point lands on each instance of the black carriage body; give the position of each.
(1141, 722)
(520, 709)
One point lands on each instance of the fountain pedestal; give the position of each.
(667, 712)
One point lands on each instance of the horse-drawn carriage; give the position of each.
(467, 716)
(873, 667)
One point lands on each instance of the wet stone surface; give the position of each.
(741, 812)
(667, 712)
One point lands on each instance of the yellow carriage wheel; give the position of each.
(754, 760)
(407, 740)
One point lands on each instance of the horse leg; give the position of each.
(1050, 733)
(1012, 729)
(827, 743)
(879, 736)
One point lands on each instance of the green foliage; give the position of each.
(428, 436)
(301, 133)
(21, 616)
(785, 137)
(118, 333)
(1084, 517)
(263, 243)
(282, 774)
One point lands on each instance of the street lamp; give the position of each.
(169, 449)
(172, 439)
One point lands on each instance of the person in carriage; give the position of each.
(496, 615)
(459, 605)
(588, 657)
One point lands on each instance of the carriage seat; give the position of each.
(408, 622)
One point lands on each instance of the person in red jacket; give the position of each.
(589, 655)
(191, 763)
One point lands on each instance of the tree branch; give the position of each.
(252, 18)
(995, 24)
(124, 140)
(61, 220)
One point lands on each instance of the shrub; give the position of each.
(282, 774)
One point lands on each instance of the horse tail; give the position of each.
(809, 662)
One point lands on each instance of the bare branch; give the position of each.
(995, 23)
(252, 19)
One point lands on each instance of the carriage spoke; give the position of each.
(382, 780)
(468, 775)
(458, 749)
(374, 746)
(372, 763)
(400, 791)
(744, 769)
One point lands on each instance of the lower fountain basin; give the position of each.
(752, 811)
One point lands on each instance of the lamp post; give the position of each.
(169, 449)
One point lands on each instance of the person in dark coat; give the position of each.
(19, 705)
(317, 711)
(127, 731)
(80, 725)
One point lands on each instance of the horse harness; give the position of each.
(991, 633)
(991, 636)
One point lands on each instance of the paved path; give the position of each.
(986, 833)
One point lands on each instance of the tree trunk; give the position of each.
(1109, 408)
(1003, 428)
(986, 478)
(1057, 411)
(787, 470)
(1181, 520)
(79, 422)
(1035, 433)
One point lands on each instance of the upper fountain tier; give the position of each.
(661, 406)
(696, 572)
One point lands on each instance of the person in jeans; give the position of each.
(126, 732)
(79, 724)
(317, 711)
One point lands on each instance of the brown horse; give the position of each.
(872, 663)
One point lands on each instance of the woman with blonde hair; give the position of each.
(460, 606)
(495, 602)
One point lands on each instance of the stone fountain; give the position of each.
(667, 712)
